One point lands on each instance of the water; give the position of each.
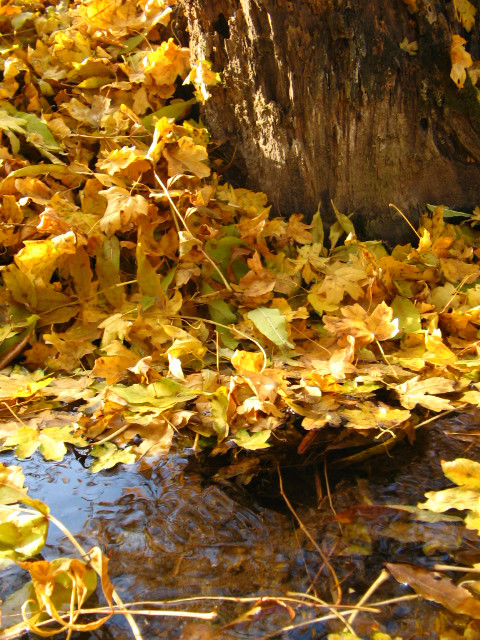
(171, 531)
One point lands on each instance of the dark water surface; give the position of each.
(172, 531)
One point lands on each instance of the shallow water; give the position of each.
(171, 531)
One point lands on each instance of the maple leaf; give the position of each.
(365, 328)
(202, 77)
(252, 441)
(371, 416)
(187, 156)
(417, 391)
(108, 455)
(341, 279)
(122, 210)
(409, 47)
(461, 60)
(465, 12)
(166, 62)
(49, 441)
(466, 496)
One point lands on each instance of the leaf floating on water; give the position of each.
(433, 586)
(108, 455)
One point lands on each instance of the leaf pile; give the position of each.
(141, 292)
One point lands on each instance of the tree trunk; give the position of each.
(319, 103)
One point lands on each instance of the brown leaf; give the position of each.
(433, 586)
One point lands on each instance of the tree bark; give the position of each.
(320, 103)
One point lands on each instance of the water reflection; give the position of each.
(171, 532)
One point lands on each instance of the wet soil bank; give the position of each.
(172, 529)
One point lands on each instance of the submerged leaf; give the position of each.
(432, 586)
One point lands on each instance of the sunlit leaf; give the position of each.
(108, 455)
(252, 441)
(417, 391)
(49, 441)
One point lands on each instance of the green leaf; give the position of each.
(175, 111)
(449, 213)
(318, 233)
(407, 314)
(108, 455)
(222, 312)
(219, 404)
(255, 441)
(162, 395)
(35, 131)
(272, 324)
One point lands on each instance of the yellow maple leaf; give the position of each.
(113, 366)
(465, 13)
(247, 361)
(187, 156)
(461, 60)
(253, 203)
(38, 258)
(129, 161)
(164, 64)
(202, 76)
(363, 327)
(372, 416)
(122, 210)
(463, 472)
(458, 270)
(341, 279)
(417, 391)
(111, 16)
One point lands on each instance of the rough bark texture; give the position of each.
(319, 102)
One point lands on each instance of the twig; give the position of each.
(308, 535)
(112, 435)
(406, 220)
(133, 625)
(382, 577)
